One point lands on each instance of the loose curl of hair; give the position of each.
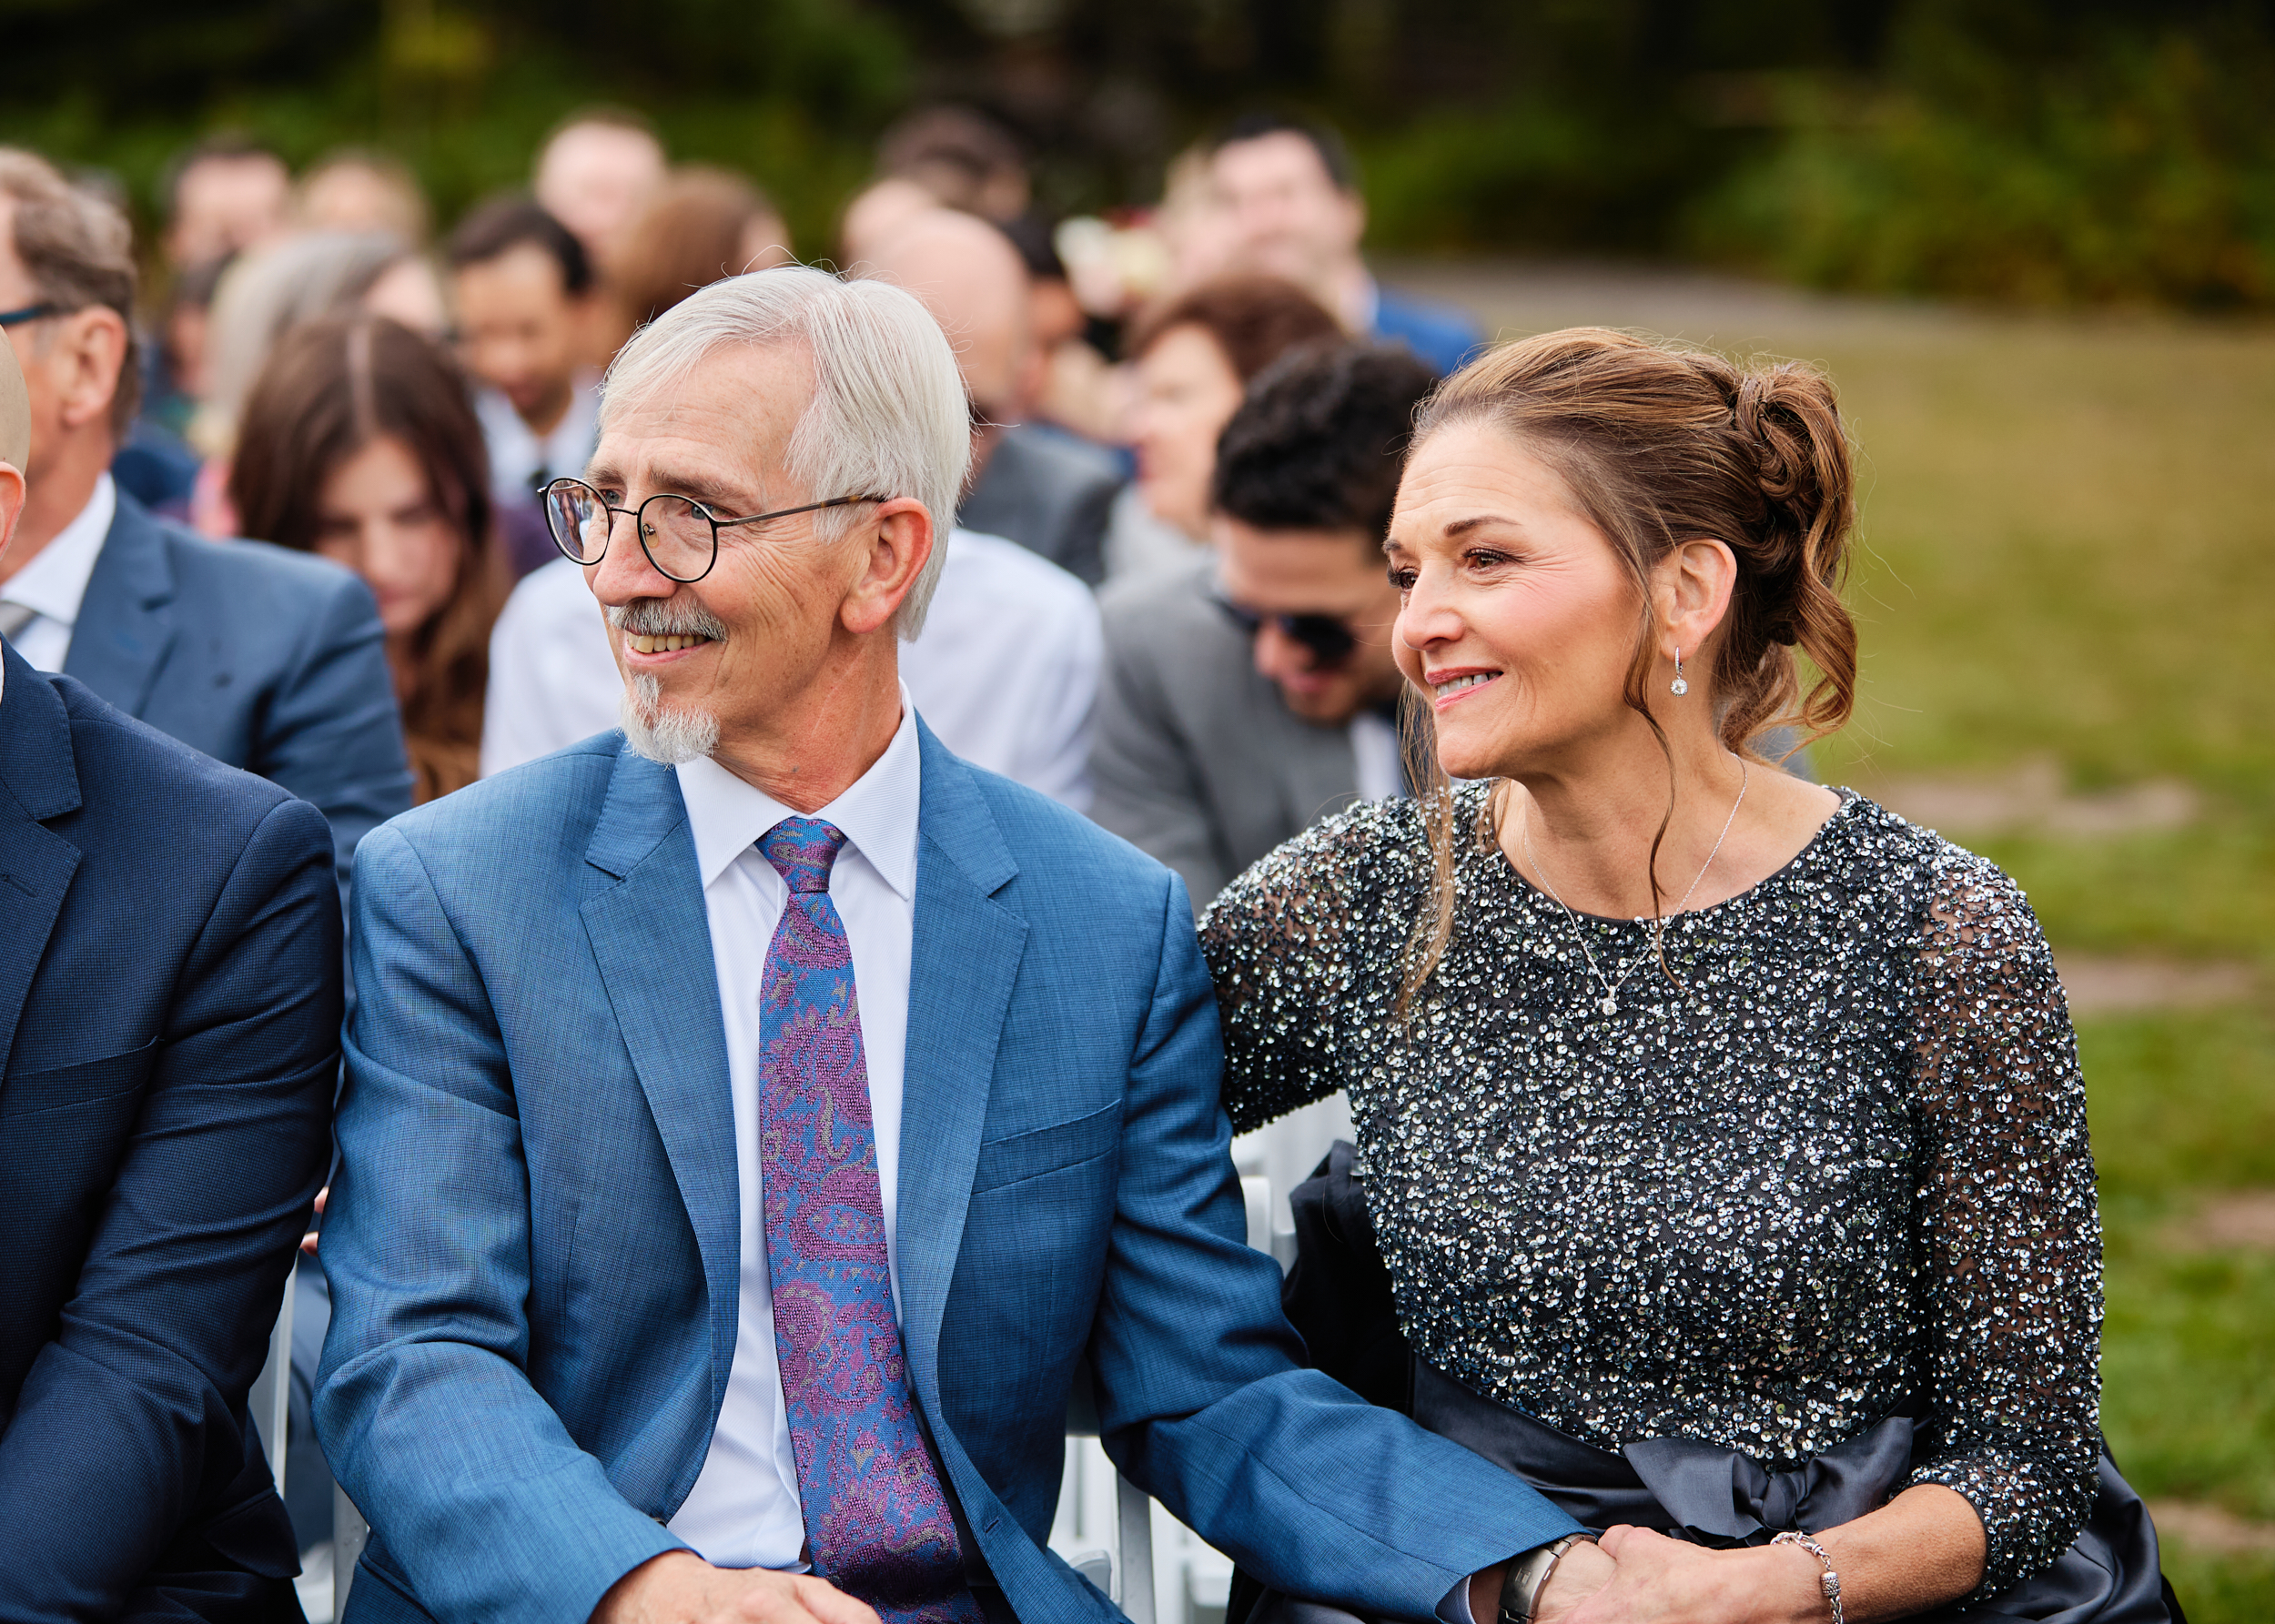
(1659, 445)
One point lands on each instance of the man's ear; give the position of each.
(85, 360)
(897, 550)
(11, 504)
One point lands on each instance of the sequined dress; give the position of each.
(1843, 1165)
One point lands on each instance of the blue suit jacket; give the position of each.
(1443, 336)
(267, 660)
(533, 1237)
(169, 1008)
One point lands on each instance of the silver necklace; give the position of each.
(1610, 1003)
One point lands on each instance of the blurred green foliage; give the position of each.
(1998, 156)
(2037, 150)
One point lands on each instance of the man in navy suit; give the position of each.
(169, 1001)
(757, 1118)
(1289, 198)
(263, 659)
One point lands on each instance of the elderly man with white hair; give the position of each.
(755, 1119)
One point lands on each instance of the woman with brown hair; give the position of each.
(1190, 359)
(358, 442)
(1721, 1135)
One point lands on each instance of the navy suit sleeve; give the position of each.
(333, 735)
(139, 1401)
(1307, 1485)
(423, 1402)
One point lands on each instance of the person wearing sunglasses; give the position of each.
(1254, 692)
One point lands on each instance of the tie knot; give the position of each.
(802, 849)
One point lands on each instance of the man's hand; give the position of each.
(308, 1241)
(680, 1588)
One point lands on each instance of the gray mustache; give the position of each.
(666, 617)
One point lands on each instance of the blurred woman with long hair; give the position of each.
(360, 443)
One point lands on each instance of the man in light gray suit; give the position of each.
(1254, 693)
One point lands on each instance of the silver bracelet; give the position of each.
(1828, 1581)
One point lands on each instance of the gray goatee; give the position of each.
(661, 733)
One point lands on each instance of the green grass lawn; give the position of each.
(2070, 535)
(2069, 551)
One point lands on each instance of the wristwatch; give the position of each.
(1528, 1576)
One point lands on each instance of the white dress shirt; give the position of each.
(1374, 753)
(744, 1511)
(1006, 671)
(53, 584)
(517, 453)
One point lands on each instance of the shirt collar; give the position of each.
(53, 584)
(877, 813)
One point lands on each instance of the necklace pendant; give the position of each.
(1610, 1006)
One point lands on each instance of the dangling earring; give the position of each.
(1678, 687)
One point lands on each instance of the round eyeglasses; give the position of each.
(679, 534)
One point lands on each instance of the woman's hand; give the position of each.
(308, 1241)
(1658, 1580)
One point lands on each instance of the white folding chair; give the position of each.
(271, 1400)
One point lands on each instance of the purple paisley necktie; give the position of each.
(876, 1522)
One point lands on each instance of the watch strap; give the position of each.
(1528, 1575)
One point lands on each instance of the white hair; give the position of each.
(889, 416)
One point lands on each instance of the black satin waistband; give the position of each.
(1708, 1494)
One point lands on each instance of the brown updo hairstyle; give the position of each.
(332, 388)
(1659, 445)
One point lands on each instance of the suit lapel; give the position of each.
(650, 936)
(125, 622)
(964, 960)
(37, 780)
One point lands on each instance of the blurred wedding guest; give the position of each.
(263, 296)
(261, 659)
(170, 955)
(701, 224)
(1191, 360)
(178, 369)
(1049, 493)
(223, 196)
(525, 294)
(1287, 198)
(595, 172)
(875, 214)
(358, 189)
(1253, 691)
(964, 158)
(1081, 390)
(360, 445)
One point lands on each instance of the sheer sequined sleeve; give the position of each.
(2010, 1237)
(1291, 943)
